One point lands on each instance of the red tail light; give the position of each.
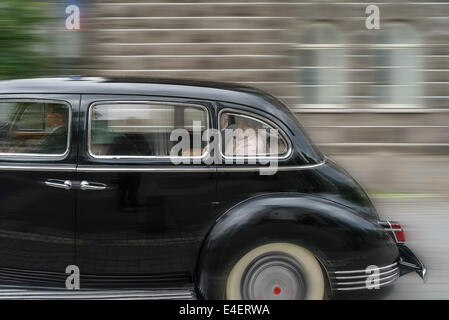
(397, 231)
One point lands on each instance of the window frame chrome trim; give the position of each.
(146, 102)
(258, 118)
(43, 156)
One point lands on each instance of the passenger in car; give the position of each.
(245, 140)
(130, 143)
(227, 122)
(56, 122)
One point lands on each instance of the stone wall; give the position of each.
(260, 43)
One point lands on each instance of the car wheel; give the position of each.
(281, 271)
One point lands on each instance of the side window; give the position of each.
(137, 129)
(34, 128)
(32, 118)
(244, 135)
(398, 65)
(322, 61)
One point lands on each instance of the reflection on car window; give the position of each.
(242, 135)
(142, 129)
(33, 128)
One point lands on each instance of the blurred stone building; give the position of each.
(377, 99)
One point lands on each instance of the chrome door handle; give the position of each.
(61, 184)
(85, 185)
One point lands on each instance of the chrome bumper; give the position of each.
(374, 277)
(409, 262)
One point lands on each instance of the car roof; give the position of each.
(176, 88)
(164, 87)
(210, 90)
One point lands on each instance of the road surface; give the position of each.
(426, 220)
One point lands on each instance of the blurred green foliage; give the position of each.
(20, 44)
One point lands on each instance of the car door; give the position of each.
(141, 215)
(38, 137)
(255, 162)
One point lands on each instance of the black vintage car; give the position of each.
(89, 181)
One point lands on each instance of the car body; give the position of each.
(133, 219)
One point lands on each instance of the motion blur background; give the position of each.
(375, 100)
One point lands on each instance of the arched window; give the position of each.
(321, 63)
(398, 65)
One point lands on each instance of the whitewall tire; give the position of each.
(276, 271)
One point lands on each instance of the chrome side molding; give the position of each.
(122, 168)
(38, 168)
(18, 293)
(194, 169)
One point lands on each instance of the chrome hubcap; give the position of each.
(274, 277)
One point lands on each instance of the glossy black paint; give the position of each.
(410, 262)
(145, 223)
(37, 229)
(168, 227)
(338, 236)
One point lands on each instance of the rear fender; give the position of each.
(336, 235)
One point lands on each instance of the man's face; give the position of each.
(242, 124)
(224, 122)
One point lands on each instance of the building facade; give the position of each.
(359, 91)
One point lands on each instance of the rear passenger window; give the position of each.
(136, 129)
(34, 128)
(244, 135)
